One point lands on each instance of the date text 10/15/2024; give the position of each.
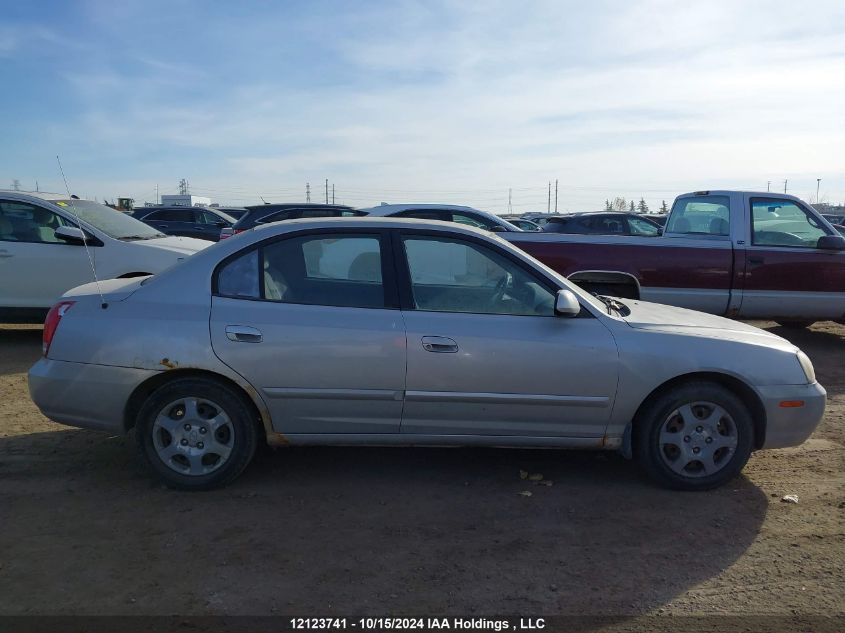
(417, 624)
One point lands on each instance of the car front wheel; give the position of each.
(696, 436)
(196, 434)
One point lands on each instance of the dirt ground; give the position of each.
(369, 531)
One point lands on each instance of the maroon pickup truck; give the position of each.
(734, 253)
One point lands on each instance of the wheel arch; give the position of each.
(146, 388)
(735, 385)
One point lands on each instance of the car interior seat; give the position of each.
(719, 226)
(366, 267)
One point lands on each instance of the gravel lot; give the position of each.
(321, 531)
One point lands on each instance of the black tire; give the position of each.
(795, 325)
(653, 455)
(240, 437)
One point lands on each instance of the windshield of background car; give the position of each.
(113, 223)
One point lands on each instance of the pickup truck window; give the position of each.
(777, 222)
(700, 215)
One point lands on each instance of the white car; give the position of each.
(42, 249)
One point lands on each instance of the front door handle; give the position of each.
(243, 334)
(439, 344)
(5, 253)
(756, 261)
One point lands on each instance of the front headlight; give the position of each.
(807, 366)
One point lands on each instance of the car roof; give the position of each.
(43, 195)
(387, 209)
(280, 206)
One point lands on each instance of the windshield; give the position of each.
(116, 224)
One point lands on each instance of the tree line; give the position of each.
(620, 204)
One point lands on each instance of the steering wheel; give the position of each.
(500, 289)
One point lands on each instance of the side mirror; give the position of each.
(498, 229)
(71, 235)
(831, 243)
(220, 224)
(566, 304)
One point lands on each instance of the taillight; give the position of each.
(236, 231)
(52, 322)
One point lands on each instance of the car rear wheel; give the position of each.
(696, 436)
(196, 434)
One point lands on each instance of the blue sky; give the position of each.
(424, 101)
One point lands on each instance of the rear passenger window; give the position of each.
(330, 270)
(700, 216)
(239, 277)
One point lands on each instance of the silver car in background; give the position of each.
(408, 332)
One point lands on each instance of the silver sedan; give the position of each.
(391, 331)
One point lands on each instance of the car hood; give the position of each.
(658, 317)
(176, 244)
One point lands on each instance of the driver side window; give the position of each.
(450, 275)
(778, 222)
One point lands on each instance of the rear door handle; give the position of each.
(243, 334)
(439, 344)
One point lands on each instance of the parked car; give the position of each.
(445, 213)
(658, 218)
(539, 219)
(235, 212)
(602, 224)
(203, 223)
(834, 219)
(43, 249)
(519, 222)
(839, 228)
(395, 331)
(740, 254)
(266, 213)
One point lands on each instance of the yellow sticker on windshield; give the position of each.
(62, 204)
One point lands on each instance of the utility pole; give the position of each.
(327, 190)
(37, 188)
(768, 185)
(555, 195)
(332, 193)
(307, 192)
(510, 198)
(156, 193)
(818, 182)
(549, 204)
(16, 184)
(183, 187)
(784, 185)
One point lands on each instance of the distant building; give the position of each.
(184, 200)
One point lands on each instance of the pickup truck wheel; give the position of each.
(196, 434)
(795, 325)
(697, 436)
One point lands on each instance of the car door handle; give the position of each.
(5, 253)
(439, 344)
(756, 261)
(243, 334)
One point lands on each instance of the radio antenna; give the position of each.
(103, 303)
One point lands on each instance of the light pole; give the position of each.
(818, 182)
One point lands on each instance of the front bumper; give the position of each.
(790, 426)
(84, 395)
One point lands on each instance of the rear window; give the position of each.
(700, 215)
